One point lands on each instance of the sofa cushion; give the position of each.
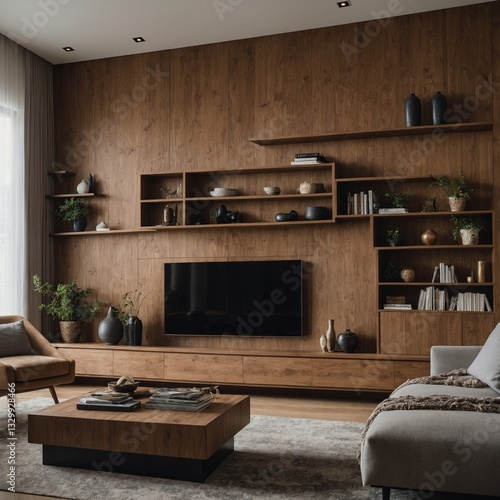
(36, 367)
(14, 340)
(486, 366)
(425, 390)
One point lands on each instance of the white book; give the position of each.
(487, 303)
(370, 201)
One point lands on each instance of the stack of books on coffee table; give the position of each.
(180, 399)
(108, 401)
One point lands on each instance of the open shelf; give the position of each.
(373, 134)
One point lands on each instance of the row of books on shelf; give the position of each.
(445, 274)
(182, 399)
(360, 203)
(433, 299)
(308, 159)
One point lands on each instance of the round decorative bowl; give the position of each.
(316, 213)
(129, 388)
(223, 192)
(270, 190)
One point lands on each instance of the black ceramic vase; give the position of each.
(110, 329)
(413, 111)
(439, 105)
(80, 224)
(347, 341)
(134, 330)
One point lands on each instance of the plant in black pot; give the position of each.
(74, 210)
(128, 314)
(67, 302)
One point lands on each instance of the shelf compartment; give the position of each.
(253, 209)
(155, 186)
(373, 134)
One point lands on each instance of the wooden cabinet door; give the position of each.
(277, 371)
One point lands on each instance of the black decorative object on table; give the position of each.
(134, 327)
(347, 341)
(439, 106)
(110, 329)
(413, 111)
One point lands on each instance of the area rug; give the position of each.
(274, 458)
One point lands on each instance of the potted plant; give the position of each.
(66, 303)
(128, 313)
(394, 237)
(469, 229)
(398, 200)
(74, 210)
(456, 190)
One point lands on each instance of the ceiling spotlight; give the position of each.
(68, 49)
(346, 3)
(138, 39)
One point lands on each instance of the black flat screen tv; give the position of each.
(246, 298)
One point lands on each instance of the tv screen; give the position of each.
(248, 298)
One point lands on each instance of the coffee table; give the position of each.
(170, 444)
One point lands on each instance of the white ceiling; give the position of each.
(104, 28)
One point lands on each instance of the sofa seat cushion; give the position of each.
(36, 367)
(432, 450)
(443, 390)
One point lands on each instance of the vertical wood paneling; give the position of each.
(201, 105)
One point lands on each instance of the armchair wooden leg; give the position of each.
(386, 493)
(53, 394)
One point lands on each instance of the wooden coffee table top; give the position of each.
(152, 432)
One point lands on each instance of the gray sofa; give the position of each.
(434, 450)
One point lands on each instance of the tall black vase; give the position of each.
(413, 111)
(439, 105)
(134, 327)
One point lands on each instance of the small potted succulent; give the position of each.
(74, 210)
(456, 190)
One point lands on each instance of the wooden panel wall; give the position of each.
(195, 108)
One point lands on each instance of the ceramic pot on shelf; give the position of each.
(134, 330)
(110, 329)
(347, 341)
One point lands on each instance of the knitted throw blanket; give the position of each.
(457, 378)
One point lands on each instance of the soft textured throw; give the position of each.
(437, 402)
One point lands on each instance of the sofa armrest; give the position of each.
(445, 358)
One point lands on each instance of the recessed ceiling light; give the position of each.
(68, 49)
(138, 39)
(346, 3)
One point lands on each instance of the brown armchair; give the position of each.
(44, 367)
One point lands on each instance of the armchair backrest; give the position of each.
(38, 342)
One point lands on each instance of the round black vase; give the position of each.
(347, 341)
(110, 329)
(80, 224)
(413, 111)
(439, 105)
(134, 330)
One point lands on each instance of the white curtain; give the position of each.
(12, 215)
(26, 155)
